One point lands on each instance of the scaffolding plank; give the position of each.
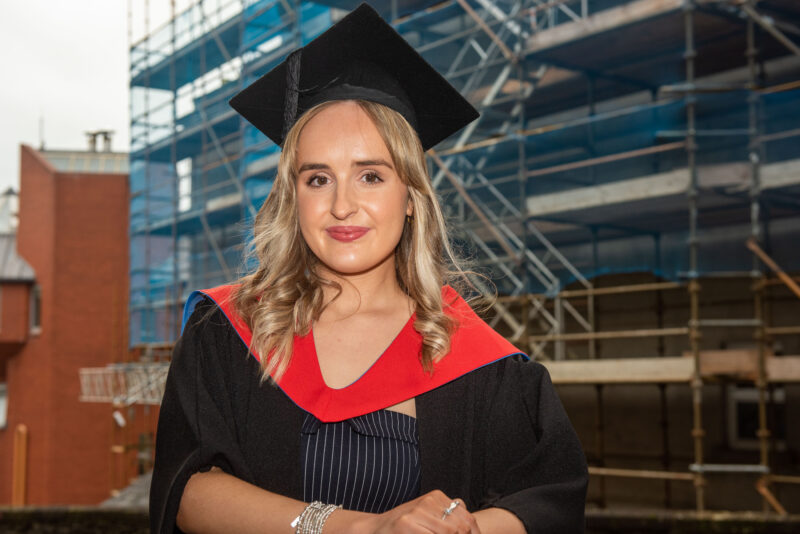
(603, 21)
(782, 369)
(781, 174)
(738, 364)
(656, 186)
(622, 371)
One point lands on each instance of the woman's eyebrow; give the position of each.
(313, 167)
(361, 163)
(372, 163)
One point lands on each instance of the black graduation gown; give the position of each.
(496, 437)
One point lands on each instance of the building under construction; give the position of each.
(632, 187)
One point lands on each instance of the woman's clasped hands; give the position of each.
(433, 512)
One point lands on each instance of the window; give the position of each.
(3, 404)
(36, 310)
(743, 417)
(184, 170)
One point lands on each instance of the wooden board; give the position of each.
(783, 369)
(603, 21)
(741, 364)
(621, 371)
(735, 364)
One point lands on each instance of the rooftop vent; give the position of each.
(92, 137)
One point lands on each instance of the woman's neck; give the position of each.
(368, 292)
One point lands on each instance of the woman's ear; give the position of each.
(410, 207)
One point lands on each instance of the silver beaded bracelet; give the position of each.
(313, 518)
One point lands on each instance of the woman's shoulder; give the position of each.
(516, 369)
(208, 333)
(206, 318)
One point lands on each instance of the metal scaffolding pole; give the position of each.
(748, 6)
(208, 131)
(173, 293)
(698, 432)
(755, 157)
(148, 319)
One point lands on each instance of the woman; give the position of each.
(396, 408)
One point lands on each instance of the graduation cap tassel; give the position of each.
(292, 91)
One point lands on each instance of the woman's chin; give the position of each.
(358, 267)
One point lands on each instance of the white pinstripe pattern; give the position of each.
(337, 470)
(382, 466)
(370, 496)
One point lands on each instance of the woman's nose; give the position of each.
(344, 201)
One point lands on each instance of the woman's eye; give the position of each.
(318, 180)
(371, 178)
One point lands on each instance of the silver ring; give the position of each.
(449, 509)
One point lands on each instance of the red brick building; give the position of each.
(72, 233)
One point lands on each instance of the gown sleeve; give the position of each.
(536, 468)
(196, 425)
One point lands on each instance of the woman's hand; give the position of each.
(424, 515)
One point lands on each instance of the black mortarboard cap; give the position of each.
(359, 57)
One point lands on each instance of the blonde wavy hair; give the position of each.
(284, 295)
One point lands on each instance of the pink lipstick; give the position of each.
(346, 233)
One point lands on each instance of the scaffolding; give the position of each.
(197, 171)
(616, 136)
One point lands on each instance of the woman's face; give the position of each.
(351, 203)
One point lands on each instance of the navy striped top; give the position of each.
(369, 463)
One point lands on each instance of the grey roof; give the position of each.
(12, 267)
(134, 496)
(87, 162)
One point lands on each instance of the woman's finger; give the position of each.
(460, 517)
(430, 512)
(433, 512)
(451, 508)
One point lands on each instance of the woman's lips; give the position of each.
(346, 233)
